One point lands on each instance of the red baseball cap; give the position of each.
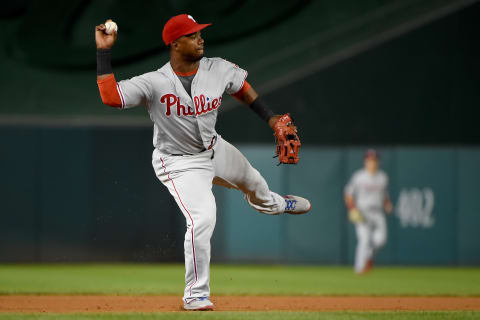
(180, 25)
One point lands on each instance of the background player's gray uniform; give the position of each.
(369, 193)
(189, 155)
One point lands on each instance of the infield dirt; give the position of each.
(102, 303)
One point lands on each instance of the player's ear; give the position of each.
(174, 45)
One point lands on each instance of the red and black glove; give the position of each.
(288, 142)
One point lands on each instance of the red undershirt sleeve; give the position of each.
(109, 92)
(240, 92)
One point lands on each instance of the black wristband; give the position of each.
(260, 108)
(104, 61)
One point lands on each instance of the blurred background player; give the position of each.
(366, 196)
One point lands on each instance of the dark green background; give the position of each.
(411, 87)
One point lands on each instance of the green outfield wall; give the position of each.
(90, 194)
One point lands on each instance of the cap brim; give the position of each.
(197, 28)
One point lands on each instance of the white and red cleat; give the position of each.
(199, 304)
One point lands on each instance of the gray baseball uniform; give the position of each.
(369, 193)
(189, 155)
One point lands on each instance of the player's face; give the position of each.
(371, 164)
(191, 46)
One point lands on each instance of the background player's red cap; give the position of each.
(371, 153)
(180, 25)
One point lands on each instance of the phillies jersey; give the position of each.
(369, 191)
(183, 123)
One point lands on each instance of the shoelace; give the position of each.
(290, 204)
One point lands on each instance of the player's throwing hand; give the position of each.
(104, 40)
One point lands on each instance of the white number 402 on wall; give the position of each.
(414, 208)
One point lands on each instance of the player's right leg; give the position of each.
(363, 250)
(189, 181)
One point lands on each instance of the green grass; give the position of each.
(253, 316)
(237, 280)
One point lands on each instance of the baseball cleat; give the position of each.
(199, 304)
(296, 205)
(369, 265)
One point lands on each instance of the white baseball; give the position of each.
(110, 27)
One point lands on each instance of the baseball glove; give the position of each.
(288, 143)
(355, 216)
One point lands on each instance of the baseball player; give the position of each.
(183, 98)
(366, 196)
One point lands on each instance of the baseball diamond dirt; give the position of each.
(104, 303)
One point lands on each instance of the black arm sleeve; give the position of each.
(104, 61)
(260, 108)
